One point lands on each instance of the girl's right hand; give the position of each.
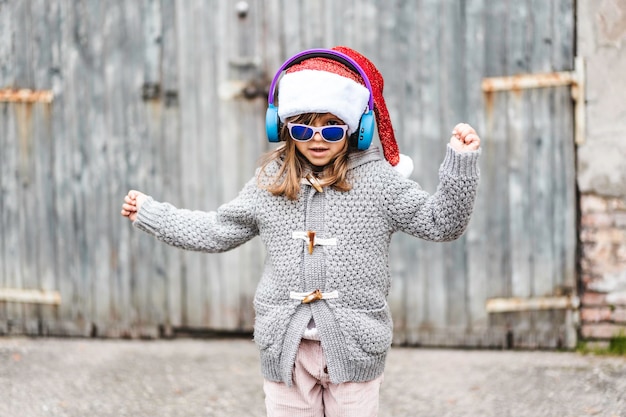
(132, 204)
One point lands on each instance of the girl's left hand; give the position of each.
(132, 204)
(464, 138)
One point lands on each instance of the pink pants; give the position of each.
(313, 395)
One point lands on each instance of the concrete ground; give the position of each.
(192, 377)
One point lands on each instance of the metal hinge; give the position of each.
(18, 295)
(576, 79)
(25, 95)
(516, 304)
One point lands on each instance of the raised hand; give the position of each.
(132, 203)
(464, 138)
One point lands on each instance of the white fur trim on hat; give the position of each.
(313, 91)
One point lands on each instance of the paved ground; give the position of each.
(96, 378)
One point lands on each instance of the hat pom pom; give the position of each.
(405, 166)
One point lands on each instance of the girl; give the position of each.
(325, 206)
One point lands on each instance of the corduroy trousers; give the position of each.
(313, 395)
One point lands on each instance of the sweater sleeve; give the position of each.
(233, 223)
(444, 215)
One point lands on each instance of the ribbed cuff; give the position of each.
(148, 217)
(462, 164)
(270, 366)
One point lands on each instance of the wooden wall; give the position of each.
(168, 97)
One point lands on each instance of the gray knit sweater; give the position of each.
(355, 229)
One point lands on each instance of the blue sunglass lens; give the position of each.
(332, 133)
(301, 132)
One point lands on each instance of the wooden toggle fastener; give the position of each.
(314, 182)
(311, 235)
(314, 296)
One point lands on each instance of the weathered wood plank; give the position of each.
(209, 148)
(191, 18)
(140, 96)
(4, 196)
(519, 159)
(565, 203)
(433, 143)
(291, 20)
(564, 152)
(271, 36)
(68, 168)
(476, 241)
(455, 110)
(543, 192)
(121, 158)
(170, 155)
(26, 176)
(494, 174)
(12, 166)
(44, 192)
(252, 144)
(404, 256)
(146, 103)
(7, 62)
(234, 65)
(29, 233)
(93, 138)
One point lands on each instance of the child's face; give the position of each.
(317, 151)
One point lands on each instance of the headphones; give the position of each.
(362, 137)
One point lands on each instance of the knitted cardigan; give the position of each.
(354, 229)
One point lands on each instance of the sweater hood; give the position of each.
(358, 158)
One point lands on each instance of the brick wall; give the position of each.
(603, 267)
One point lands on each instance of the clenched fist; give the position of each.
(132, 203)
(464, 138)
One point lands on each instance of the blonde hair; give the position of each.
(286, 182)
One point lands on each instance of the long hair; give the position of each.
(286, 182)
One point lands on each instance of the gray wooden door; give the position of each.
(521, 242)
(168, 97)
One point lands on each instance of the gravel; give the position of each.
(221, 377)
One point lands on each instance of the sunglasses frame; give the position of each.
(317, 130)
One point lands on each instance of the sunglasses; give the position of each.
(304, 133)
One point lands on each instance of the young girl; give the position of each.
(325, 205)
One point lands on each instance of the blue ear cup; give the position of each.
(365, 133)
(272, 124)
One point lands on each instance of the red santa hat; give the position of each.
(324, 85)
